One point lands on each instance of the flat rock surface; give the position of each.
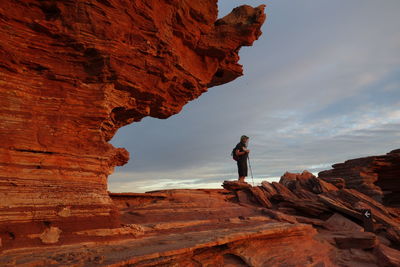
(138, 250)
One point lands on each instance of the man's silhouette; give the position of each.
(242, 154)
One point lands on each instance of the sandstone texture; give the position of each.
(73, 72)
(375, 176)
(214, 227)
(188, 228)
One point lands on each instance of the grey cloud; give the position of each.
(321, 86)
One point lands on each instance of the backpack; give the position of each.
(233, 154)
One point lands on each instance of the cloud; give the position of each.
(322, 85)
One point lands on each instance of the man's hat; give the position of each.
(244, 137)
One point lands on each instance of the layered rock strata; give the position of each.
(73, 72)
(375, 176)
(305, 222)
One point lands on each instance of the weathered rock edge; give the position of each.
(73, 72)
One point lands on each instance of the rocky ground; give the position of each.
(300, 221)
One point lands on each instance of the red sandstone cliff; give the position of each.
(375, 176)
(73, 72)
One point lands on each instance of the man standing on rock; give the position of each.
(242, 153)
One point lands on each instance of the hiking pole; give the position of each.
(251, 172)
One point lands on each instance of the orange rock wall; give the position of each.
(73, 72)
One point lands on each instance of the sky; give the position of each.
(320, 86)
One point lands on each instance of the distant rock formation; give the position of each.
(73, 72)
(375, 176)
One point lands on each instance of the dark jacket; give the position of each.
(241, 146)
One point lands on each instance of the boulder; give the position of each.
(244, 197)
(261, 197)
(306, 207)
(355, 239)
(338, 182)
(235, 185)
(269, 189)
(283, 193)
(306, 181)
(338, 222)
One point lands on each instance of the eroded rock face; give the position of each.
(375, 176)
(73, 72)
(242, 226)
(338, 214)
